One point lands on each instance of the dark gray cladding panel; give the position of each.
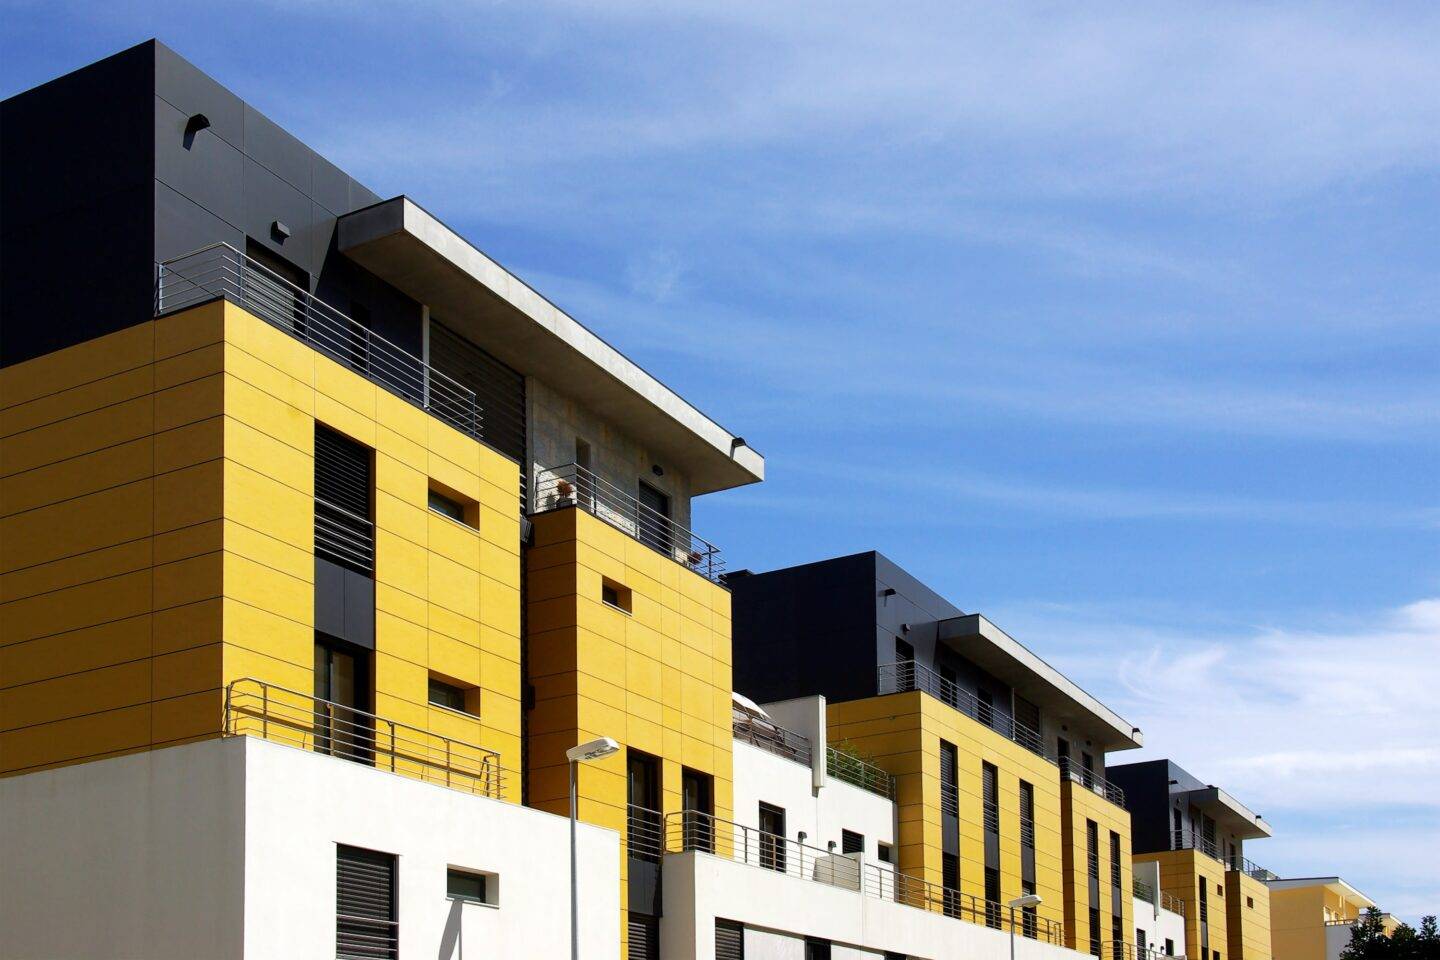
(268, 199)
(279, 152)
(210, 171)
(182, 225)
(344, 604)
(191, 91)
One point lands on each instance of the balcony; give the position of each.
(694, 832)
(1190, 840)
(1092, 781)
(259, 709)
(221, 271)
(848, 768)
(760, 732)
(1250, 868)
(1146, 892)
(907, 675)
(571, 485)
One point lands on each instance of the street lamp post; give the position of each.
(1029, 900)
(584, 753)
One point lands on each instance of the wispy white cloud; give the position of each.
(1328, 733)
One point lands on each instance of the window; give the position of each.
(729, 940)
(644, 941)
(365, 923)
(852, 842)
(1027, 816)
(1219, 891)
(949, 781)
(470, 887)
(1250, 902)
(950, 882)
(697, 791)
(1029, 916)
(343, 532)
(443, 505)
(772, 837)
(817, 949)
(885, 853)
(1094, 931)
(1215, 954)
(1169, 947)
(615, 595)
(1092, 847)
(450, 696)
(653, 520)
(992, 898)
(1140, 939)
(990, 796)
(1114, 858)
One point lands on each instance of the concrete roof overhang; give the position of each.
(1228, 812)
(1008, 660)
(403, 244)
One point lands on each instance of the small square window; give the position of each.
(852, 842)
(885, 853)
(470, 887)
(1250, 902)
(615, 595)
(1219, 890)
(453, 505)
(452, 696)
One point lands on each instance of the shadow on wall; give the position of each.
(450, 941)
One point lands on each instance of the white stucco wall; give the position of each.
(820, 814)
(226, 849)
(700, 888)
(1159, 924)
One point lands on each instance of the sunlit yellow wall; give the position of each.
(1297, 923)
(657, 679)
(901, 733)
(1181, 873)
(157, 535)
(1247, 916)
(1079, 804)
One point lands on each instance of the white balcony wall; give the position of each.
(226, 849)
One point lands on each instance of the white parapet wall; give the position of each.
(779, 911)
(1156, 923)
(227, 849)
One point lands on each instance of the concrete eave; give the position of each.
(1334, 884)
(995, 651)
(1238, 818)
(410, 249)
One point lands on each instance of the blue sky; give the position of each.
(1115, 323)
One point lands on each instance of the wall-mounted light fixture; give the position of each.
(656, 469)
(279, 231)
(736, 443)
(193, 125)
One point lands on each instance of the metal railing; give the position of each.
(644, 833)
(259, 709)
(220, 270)
(690, 831)
(1120, 950)
(848, 768)
(762, 733)
(1250, 868)
(1185, 839)
(1142, 890)
(906, 675)
(686, 832)
(1172, 903)
(571, 485)
(1092, 781)
(914, 892)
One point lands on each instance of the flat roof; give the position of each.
(1335, 884)
(994, 650)
(402, 243)
(1229, 812)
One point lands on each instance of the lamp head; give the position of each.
(1029, 900)
(593, 750)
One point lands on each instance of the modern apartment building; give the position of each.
(1311, 918)
(286, 463)
(1195, 834)
(999, 760)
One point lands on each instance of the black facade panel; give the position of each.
(1147, 797)
(189, 90)
(75, 191)
(268, 199)
(806, 630)
(182, 226)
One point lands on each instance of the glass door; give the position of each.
(341, 714)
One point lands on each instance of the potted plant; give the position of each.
(564, 490)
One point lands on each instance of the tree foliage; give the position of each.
(1368, 940)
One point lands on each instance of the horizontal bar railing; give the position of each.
(688, 831)
(848, 768)
(1172, 903)
(344, 537)
(259, 709)
(644, 833)
(766, 735)
(1092, 781)
(1250, 868)
(1185, 839)
(1122, 950)
(906, 675)
(571, 485)
(219, 270)
(921, 894)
